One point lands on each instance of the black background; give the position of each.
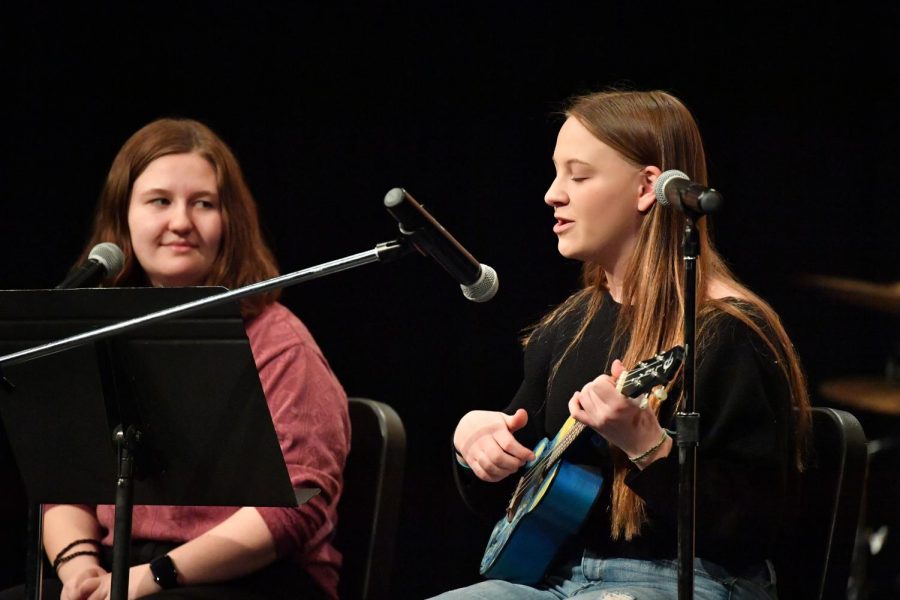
(328, 107)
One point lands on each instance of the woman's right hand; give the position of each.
(485, 441)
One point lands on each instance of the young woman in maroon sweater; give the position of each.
(176, 202)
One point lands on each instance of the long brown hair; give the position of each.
(655, 128)
(244, 257)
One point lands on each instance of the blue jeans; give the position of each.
(628, 579)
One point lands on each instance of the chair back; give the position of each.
(369, 507)
(819, 538)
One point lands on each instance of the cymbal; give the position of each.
(871, 394)
(880, 296)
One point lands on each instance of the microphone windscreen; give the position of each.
(484, 288)
(110, 256)
(659, 188)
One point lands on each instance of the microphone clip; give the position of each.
(391, 251)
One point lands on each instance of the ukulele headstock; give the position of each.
(655, 371)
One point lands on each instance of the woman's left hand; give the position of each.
(600, 406)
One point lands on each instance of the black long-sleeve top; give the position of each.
(745, 456)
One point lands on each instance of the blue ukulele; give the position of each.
(553, 497)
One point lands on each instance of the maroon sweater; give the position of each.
(309, 410)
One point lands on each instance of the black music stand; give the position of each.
(175, 409)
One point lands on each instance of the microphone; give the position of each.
(104, 262)
(674, 188)
(478, 282)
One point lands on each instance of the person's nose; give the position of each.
(556, 195)
(180, 218)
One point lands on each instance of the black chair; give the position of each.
(819, 539)
(879, 558)
(369, 507)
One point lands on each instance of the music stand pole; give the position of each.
(34, 553)
(127, 442)
(688, 421)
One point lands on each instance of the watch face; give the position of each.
(164, 572)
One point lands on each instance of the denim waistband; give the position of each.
(762, 572)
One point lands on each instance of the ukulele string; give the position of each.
(632, 377)
(537, 468)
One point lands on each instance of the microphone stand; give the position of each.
(126, 437)
(384, 252)
(688, 421)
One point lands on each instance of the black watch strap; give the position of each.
(164, 572)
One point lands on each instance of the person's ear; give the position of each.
(646, 193)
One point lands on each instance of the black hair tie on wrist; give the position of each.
(61, 558)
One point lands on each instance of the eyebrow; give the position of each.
(163, 191)
(574, 161)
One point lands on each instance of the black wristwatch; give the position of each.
(164, 572)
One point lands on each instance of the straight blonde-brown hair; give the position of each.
(655, 128)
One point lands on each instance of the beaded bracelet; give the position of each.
(654, 448)
(60, 558)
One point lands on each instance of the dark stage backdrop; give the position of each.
(329, 107)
